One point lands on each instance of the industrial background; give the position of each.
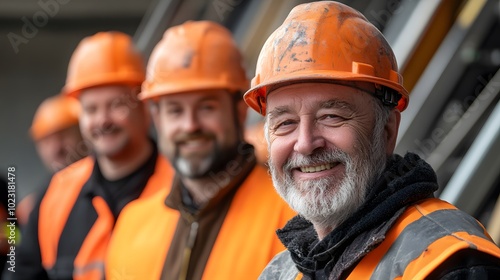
(448, 52)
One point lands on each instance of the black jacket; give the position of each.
(80, 220)
(405, 181)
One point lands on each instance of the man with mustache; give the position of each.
(58, 141)
(69, 229)
(56, 133)
(328, 85)
(217, 219)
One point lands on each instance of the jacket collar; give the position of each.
(177, 197)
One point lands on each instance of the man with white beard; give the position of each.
(328, 84)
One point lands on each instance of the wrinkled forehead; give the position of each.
(308, 97)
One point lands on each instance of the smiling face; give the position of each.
(197, 131)
(113, 121)
(326, 147)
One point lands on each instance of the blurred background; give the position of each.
(448, 52)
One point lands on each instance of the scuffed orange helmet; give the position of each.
(105, 58)
(326, 41)
(54, 114)
(196, 55)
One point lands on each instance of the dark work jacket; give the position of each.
(116, 194)
(406, 182)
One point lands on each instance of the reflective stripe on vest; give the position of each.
(423, 237)
(242, 249)
(54, 212)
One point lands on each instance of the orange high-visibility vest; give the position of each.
(442, 224)
(245, 243)
(57, 204)
(428, 233)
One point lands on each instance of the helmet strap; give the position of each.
(388, 96)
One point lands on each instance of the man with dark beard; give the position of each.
(68, 231)
(328, 84)
(218, 217)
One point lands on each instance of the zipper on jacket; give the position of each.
(193, 232)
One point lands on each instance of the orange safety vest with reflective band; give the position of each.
(428, 233)
(57, 204)
(244, 245)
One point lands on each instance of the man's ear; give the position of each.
(242, 110)
(146, 112)
(154, 111)
(391, 131)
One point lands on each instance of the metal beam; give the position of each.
(479, 168)
(467, 122)
(435, 86)
(412, 29)
(155, 21)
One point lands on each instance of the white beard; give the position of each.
(327, 202)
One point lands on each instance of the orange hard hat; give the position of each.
(194, 56)
(105, 58)
(54, 114)
(326, 41)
